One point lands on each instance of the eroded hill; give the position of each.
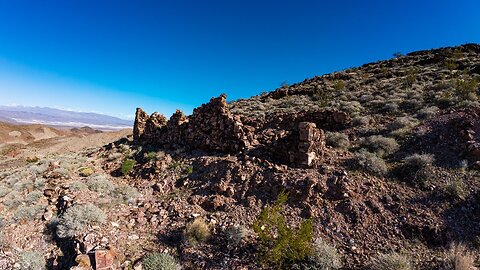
(375, 167)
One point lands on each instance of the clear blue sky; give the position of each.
(111, 56)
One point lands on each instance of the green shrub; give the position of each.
(371, 163)
(393, 261)
(99, 183)
(380, 145)
(337, 140)
(416, 168)
(279, 244)
(127, 166)
(32, 261)
(339, 85)
(458, 257)
(197, 232)
(325, 256)
(75, 219)
(188, 170)
(159, 261)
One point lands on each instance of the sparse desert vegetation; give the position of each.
(380, 164)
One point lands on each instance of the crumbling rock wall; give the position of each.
(210, 127)
(293, 139)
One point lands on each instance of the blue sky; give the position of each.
(111, 56)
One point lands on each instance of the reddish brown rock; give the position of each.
(105, 260)
(141, 118)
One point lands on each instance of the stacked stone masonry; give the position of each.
(295, 140)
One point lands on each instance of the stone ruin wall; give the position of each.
(213, 127)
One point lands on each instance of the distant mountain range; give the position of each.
(61, 118)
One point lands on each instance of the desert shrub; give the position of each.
(370, 163)
(393, 261)
(428, 112)
(380, 145)
(125, 193)
(32, 261)
(467, 89)
(337, 140)
(197, 232)
(416, 168)
(234, 235)
(12, 200)
(325, 256)
(150, 156)
(279, 244)
(77, 186)
(4, 191)
(86, 171)
(457, 189)
(360, 121)
(127, 166)
(159, 261)
(402, 123)
(99, 183)
(390, 107)
(188, 170)
(76, 218)
(351, 107)
(458, 257)
(339, 85)
(28, 213)
(38, 169)
(33, 197)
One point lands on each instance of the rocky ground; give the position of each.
(382, 160)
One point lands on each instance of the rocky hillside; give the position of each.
(375, 167)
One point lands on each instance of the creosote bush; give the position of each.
(338, 140)
(197, 232)
(370, 162)
(76, 218)
(325, 256)
(381, 146)
(393, 261)
(127, 166)
(280, 245)
(159, 261)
